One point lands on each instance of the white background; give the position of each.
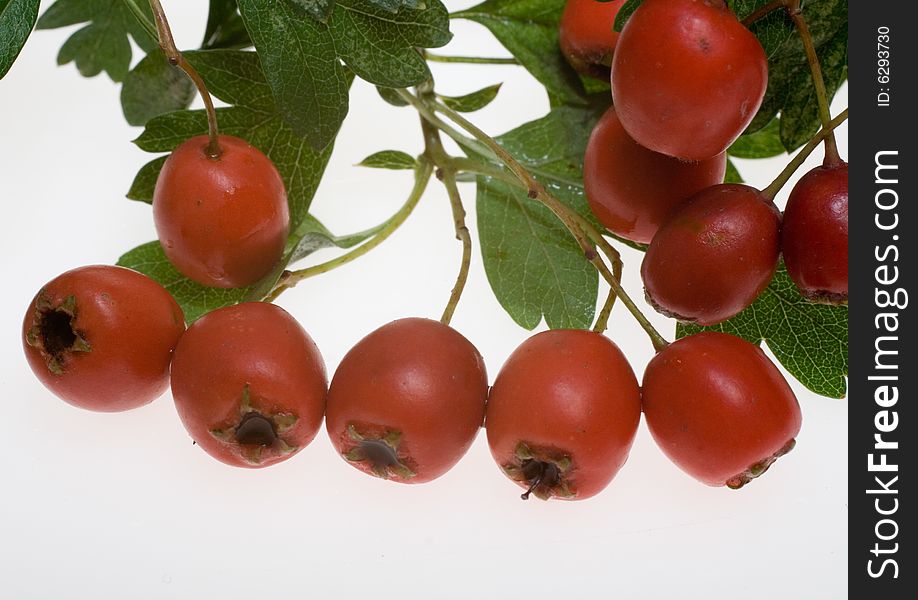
(123, 506)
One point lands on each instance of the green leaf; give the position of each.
(474, 101)
(196, 300)
(17, 17)
(533, 264)
(391, 96)
(790, 86)
(103, 44)
(810, 340)
(798, 124)
(764, 143)
(389, 159)
(235, 77)
(145, 182)
(529, 30)
(321, 9)
(317, 9)
(225, 28)
(302, 56)
(733, 174)
(154, 87)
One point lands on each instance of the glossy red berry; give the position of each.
(563, 413)
(815, 234)
(101, 337)
(687, 77)
(633, 190)
(223, 221)
(714, 256)
(588, 37)
(719, 408)
(407, 401)
(249, 384)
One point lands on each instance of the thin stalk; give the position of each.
(422, 176)
(764, 10)
(772, 190)
(447, 174)
(822, 97)
(575, 224)
(167, 44)
(431, 117)
(602, 321)
(471, 60)
(142, 19)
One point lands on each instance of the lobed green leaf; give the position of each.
(102, 45)
(302, 56)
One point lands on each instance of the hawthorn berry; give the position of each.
(563, 413)
(101, 337)
(815, 234)
(714, 256)
(719, 408)
(249, 384)
(222, 221)
(687, 77)
(587, 35)
(631, 189)
(407, 401)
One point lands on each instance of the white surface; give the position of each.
(124, 507)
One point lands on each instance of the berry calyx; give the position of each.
(101, 337)
(222, 221)
(687, 77)
(562, 414)
(714, 256)
(719, 408)
(249, 384)
(633, 190)
(407, 401)
(587, 35)
(814, 238)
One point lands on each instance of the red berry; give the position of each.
(101, 337)
(687, 77)
(563, 413)
(249, 384)
(222, 222)
(815, 234)
(719, 408)
(714, 256)
(407, 401)
(633, 190)
(588, 37)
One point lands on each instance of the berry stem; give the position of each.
(422, 176)
(584, 232)
(175, 58)
(822, 97)
(446, 173)
(772, 190)
(763, 10)
(470, 60)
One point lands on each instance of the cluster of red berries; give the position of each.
(687, 79)
(408, 400)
